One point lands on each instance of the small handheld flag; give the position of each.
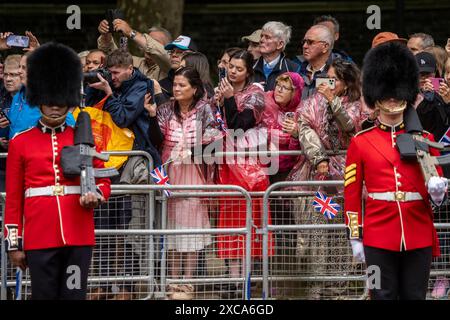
(445, 140)
(160, 177)
(325, 205)
(219, 120)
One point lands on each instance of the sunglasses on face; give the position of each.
(311, 42)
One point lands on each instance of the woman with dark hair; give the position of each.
(242, 103)
(327, 120)
(199, 62)
(179, 121)
(225, 57)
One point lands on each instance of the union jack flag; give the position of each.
(160, 177)
(325, 205)
(220, 120)
(445, 140)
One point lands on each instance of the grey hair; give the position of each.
(279, 30)
(325, 34)
(83, 54)
(161, 29)
(12, 61)
(427, 40)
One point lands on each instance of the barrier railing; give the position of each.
(150, 212)
(313, 242)
(288, 264)
(148, 278)
(326, 243)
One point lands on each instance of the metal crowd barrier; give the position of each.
(7, 273)
(212, 192)
(322, 265)
(144, 277)
(304, 256)
(320, 261)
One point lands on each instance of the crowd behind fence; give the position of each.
(304, 255)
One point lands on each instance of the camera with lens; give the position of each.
(91, 77)
(111, 15)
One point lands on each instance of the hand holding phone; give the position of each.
(288, 124)
(4, 120)
(111, 15)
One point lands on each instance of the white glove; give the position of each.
(437, 188)
(358, 250)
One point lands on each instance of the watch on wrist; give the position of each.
(133, 34)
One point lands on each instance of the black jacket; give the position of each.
(167, 83)
(284, 65)
(434, 114)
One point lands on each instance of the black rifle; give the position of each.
(77, 160)
(413, 146)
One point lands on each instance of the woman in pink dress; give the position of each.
(242, 104)
(186, 123)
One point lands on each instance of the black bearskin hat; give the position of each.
(54, 76)
(390, 71)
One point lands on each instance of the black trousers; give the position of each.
(404, 275)
(59, 273)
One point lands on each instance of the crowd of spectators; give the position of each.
(167, 99)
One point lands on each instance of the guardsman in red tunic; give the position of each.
(49, 226)
(395, 233)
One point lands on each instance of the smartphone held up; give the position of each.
(17, 41)
(330, 82)
(222, 74)
(436, 83)
(289, 115)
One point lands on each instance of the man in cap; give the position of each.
(49, 225)
(396, 234)
(253, 43)
(386, 36)
(177, 48)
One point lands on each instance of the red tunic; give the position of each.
(46, 221)
(373, 159)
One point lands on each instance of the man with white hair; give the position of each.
(317, 51)
(275, 36)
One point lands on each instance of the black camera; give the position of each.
(91, 77)
(111, 15)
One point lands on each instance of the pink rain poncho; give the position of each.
(273, 117)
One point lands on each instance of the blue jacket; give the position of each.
(23, 116)
(126, 107)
